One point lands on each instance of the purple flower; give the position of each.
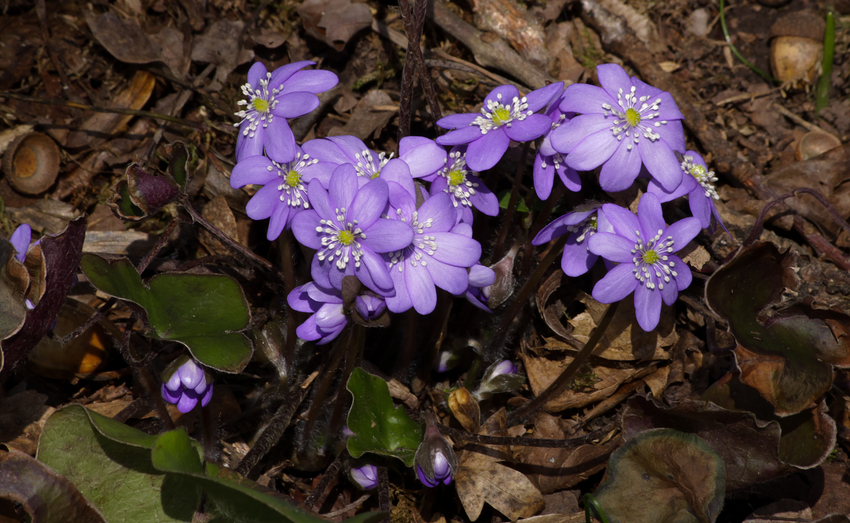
(185, 382)
(369, 306)
(698, 184)
(285, 187)
(463, 185)
(548, 161)
(623, 124)
(436, 256)
(505, 116)
(20, 241)
(271, 98)
(419, 156)
(347, 231)
(435, 459)
(480, 280)
(580, 224)
(365, 477)
(328, 313)
(643, 245)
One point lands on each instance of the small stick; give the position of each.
(480, 439)
(330, 475)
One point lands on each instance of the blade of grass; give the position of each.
(735, 50)
(822, 93)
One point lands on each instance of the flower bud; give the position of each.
(370, 307)
(435, 459)
(499, 377)
(184, 383)
(365, 477)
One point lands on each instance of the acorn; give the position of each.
(796, 48)
(32, 163)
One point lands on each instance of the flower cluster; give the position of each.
(401, 226)
(385, 231)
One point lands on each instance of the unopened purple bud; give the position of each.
(365, 477)
(370, 307)
(185, 384)
(435, 458)
(504, 367)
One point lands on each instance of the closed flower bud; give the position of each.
(365, 477)
(184, 383)
(435, 459)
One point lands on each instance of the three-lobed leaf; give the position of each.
(202, 311)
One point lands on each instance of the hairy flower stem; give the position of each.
(566, 377)
(507, 221)
(440, 319)
(759, 225)
(327, 374)
(328, 477)
(289, 282)
(275, 429)
(458, 435)
(384, 493)
(538, 224)
(414, 22)
(522, 296)
(353, 356)
(212, 452)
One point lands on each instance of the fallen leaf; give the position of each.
(482, 479)
(663, 476)
(334, 21)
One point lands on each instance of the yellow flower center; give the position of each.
(456, 177)
(293, 178)
(345, 237)
(260, 105)
(502, 115)
(698, 171)
(651, 256)
(632, 116)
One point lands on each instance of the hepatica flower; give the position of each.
(365, 477)
(480, 280)
(580, 224)
(505, 116)
(186, 383)
(327, 312)
(271, 98)
(549, 162)
(463, 186)
(285, 187)
(623, 124)
(698, 184)
(435, 257)
(644, 246)
(347, 231)
(418, 157)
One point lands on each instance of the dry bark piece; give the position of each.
(219, 214)
(334, 21)
(32, 163)
(512, 22)
(133, 96)
(370, 116)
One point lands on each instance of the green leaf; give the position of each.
(232, 496)
(179, 163)
(505, 199)
(200, 311)
(45, 495)
(110, 463)
(786, 354)
(379, 426)
(663, 476)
